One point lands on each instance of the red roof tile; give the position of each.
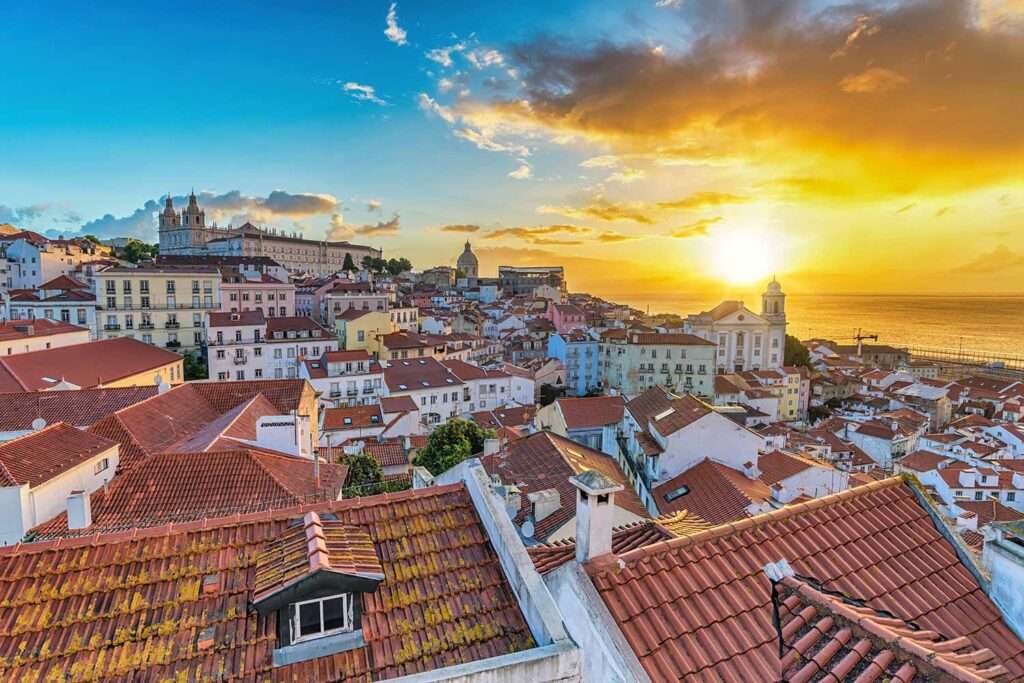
(712, 491)
(36, 458)
(238, 319)
(700, 606)
(86, 365)
(353, 417)
(30, 329)
(776, 466)
(591, 412)
(131, 606)
(544, 460)
(79, 408)
(398, 404)
(178, 487)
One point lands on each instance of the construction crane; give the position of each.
(859, 337)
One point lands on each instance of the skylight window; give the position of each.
(663, 414)
(402, 386)
(675, 494)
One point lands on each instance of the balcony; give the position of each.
(351, 392)
(173, 344)
(145, 326)
(111, 327)
(367, 390)
(172, 325)
(240, 360)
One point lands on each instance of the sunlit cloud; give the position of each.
(523, 172)
(1000, 259)
(443, 55)
(602, 209)
(700, 200)
(627, 175)
(460, 227)
(610, 237)
(536, 233)
(873, 80)
(395, 33)
(698, 228)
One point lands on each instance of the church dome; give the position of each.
(774, 287)
(467, 262)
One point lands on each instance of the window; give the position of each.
(259, 371)
(220, 354)
(101, 465)
(1011, 496)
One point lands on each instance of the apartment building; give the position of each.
(635, 362)
(247, 345)
(161, 305)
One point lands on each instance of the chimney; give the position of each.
(782, 494)
(750, 470)
(79, 510)
(1018, 480)
(967, 520)
(595, 514)
(544, 503)
(967, 478)
(492, 446)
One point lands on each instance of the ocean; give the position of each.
(978, 324)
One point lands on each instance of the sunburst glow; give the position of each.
(742, 256)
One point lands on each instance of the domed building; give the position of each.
(468, 263)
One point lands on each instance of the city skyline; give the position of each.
(647, 146)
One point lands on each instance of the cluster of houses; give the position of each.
(655, 499)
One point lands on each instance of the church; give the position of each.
(745, 340)
(186, 233)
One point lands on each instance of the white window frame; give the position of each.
(293, 617)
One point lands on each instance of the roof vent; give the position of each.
(675, 494)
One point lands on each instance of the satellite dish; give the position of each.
(528, 529)
(38, 424)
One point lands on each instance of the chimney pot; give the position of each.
(595, 514)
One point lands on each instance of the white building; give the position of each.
(345, 378)
(38, 335)
(62, 299)
(246, 345)
(32, 261)
(745, 340)
(435, 389)
(44, 473)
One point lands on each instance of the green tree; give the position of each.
(451, 443)
(365, 477)
(796, 353)
(349, 264)
(93, 238)
(139, 251)
(194, 366)
(398, 266)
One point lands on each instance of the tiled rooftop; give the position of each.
(180, 487)
(712, 491)
(700, 607)
(591, 412)
(77, 408)
(40, 456)
(132, 606)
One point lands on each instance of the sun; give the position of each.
(742, 256)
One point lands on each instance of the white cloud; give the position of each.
(430, 105)
(395, 33)
(524, 171)
(484, 57)
(627, 175)
(373, 205)
(484, 141)
(443, 55)
(363, 93)
(604, 161)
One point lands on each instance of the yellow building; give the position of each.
(160, 305)
(359, 330)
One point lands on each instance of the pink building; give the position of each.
(257, 292)
(566, 317)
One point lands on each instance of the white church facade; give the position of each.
(745, 340)
(186, 233)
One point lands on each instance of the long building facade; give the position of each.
(187, 233)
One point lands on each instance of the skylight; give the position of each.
(676, 493)
(663, 414)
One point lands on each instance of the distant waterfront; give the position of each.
(984, 324)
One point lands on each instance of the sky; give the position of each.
(655, 148)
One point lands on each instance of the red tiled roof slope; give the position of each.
(179, 487)
(714, 492)
(700, 606)
(36, 458)
(130, 606)
(77, 408)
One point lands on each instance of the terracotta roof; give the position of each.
(550, 556)
(681, 413)
(701, 606)
(776, 466)
(130, 606)
(505, 417)
(463, 370)
(387, 452)
(179, 487)
(13, 330)
(669, 339)
(825, 635)
(286, 394)
(79, 408)
(397, 404)
(347, 356)
(86, 365)
(545, 460)
(38, 457)
(711, 491)
(239, 319)
(353, 417)
(591, 412)
(989, 511)
(419, 373)
(922, 461)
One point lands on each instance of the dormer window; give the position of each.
(321, 617)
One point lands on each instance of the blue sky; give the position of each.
(651, 146)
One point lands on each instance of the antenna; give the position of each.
(38, 424)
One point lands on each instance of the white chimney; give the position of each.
(1018, 480)
(750, 470)
(79, 510)
(782, 494)
(491, 446)
(967, 520)
(286, 433)
(595, 514)
(544, 503)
